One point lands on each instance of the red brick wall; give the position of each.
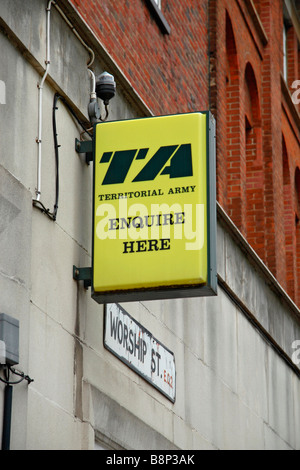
(170, 72)
(291, 158)
(253, 185)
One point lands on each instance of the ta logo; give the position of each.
(172, 160)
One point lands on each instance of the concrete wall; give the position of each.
(237, 386)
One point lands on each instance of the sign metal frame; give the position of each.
(178, 291)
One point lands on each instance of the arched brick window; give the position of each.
(233, 139)
(254, 164)
(288, 221)
(257, 6)
(253, 106)
(297, 196)
(297, 223)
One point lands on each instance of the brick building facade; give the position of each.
(167, 67)
(231, 57)
(258, 139)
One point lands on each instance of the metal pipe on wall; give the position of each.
(40, 87)
(8, 393)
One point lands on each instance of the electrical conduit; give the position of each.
(37, 201)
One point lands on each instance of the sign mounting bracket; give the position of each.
(83, 274)
(85, 146)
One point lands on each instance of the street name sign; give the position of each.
(137, 348)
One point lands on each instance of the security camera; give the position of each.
(105, 87)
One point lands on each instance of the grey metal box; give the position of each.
(9, 340)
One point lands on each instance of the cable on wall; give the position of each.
(7, 381)
(37, 201)
(40, 102)
(52, 215)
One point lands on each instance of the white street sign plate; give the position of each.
(136, 347)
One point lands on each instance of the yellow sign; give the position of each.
(151, 230)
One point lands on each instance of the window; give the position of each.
(255, 220)
(290, 66)
(289, 215)
(155, 8)
(257, 4)
(297, 196)
(285, 58)
(234, 167)
(297, 218)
